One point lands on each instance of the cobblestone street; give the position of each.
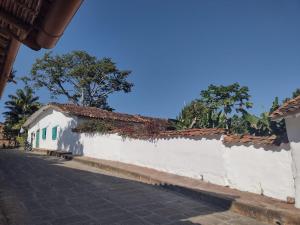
(42, 190)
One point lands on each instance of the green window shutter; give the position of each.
(44, 133)
(54, 133)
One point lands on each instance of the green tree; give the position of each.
(19, 107)
(264, 126)
(295, 94)
(197, 115)
(226, 107)
(218, 106)
(278, 127)
(244, 124)
(80, 77)
(225, 100)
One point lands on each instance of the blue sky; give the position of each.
(176, 48)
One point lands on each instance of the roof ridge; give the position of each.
(289, 107)
(64, 107)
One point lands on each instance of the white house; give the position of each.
(290, 111)
(51, 127)
(256, 164)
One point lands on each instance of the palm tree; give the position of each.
(20, 106)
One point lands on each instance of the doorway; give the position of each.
(37, 139)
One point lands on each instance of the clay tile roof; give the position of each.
(290, 107)
(192, 133)
(93, 112)
(252, 140)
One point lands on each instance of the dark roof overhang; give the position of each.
(35, 23)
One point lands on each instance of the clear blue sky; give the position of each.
(175, 48)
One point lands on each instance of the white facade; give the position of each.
(261, 171)
(200, 159)
(258, 170)
(246, 168)
(293, 130)
(66, 139)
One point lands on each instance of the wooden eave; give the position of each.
(35, 23)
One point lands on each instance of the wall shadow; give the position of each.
(42, 184)
(70, 141)
(274, 148)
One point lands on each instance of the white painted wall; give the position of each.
(187, 157)
(246, 168)
(261, 171)
(66, 139)
(293, 130)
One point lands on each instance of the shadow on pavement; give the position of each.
(36, 190)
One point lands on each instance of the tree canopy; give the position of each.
(295, 94)
(80, 77)
(225, 100)
(218, 106)
(19, 107)
(227, 107)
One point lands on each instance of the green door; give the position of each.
(37, 139)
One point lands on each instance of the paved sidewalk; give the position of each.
(264, 208)
(43, 190)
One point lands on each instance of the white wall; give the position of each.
(246, 168)
(261, 171)
(187, 157)
(66, 139)
(180, 156)
(257, 170)
(293, 130)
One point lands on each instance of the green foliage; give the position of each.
(192, 115)
(95, 126)
(146, 131)
(295, 94)
(19, 107)
(264, 126)
(80, 77)
(275, 105)
(216, 107)
(278, 127)
(224, 100)
(226, 107)
(21, 139)
(246, 123)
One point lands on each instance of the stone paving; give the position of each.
(43, 190)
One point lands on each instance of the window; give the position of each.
(54, 133)
(44, 133)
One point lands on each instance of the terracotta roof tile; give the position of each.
(290, 107)
(189, 133)
(96, 113)
(252, 140)
(192, 133)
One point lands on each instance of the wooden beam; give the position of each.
(8, 63)
(11, 20)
